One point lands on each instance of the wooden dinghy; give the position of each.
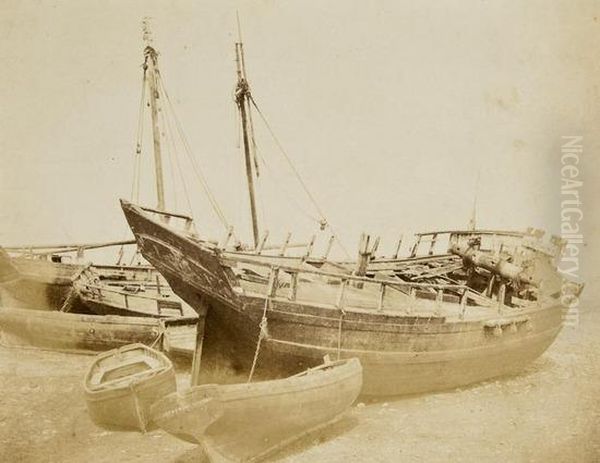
(247, 422)
(93, 333)
(122, 384)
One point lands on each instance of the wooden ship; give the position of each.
(457, 325)
(250, 421)
(459, 314)
(53, 298)
(48, 276)
(122, 384)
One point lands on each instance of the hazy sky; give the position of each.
(390, 110)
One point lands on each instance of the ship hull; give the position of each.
(400, 354)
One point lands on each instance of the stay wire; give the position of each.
(135, 187)
(298, 176)
(194, 163)
(170, 131)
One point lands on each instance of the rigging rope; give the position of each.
(135, 187)
(193, 161)
(169, 129)
(137, 160)
(298, 176)
(170, 150)
(287, 193)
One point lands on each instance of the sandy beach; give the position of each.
(550, 412)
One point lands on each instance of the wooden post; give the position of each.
(395, 256)
(415, 247)
(433, 243)
(329, 245)
(293, 287)
(285, 244)
(501, 296)
(375, 247)
(340, 298)
(363, 259)
(309, 248)
(262, 242)
(490, 286)
(273, 282)
(195, 374)
(439, 297)
(381, 297)
(158, 288)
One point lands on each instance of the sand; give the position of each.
(549, 412)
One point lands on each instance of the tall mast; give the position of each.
(151, 71)
(242, 99)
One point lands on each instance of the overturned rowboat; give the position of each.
(122, 384)
(247, 422)
(82, 333)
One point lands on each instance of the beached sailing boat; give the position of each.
(49, 279)
(51, 301)
(483, 305)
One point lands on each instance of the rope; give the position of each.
(137, 160)
(169, 130)
(170, 149)
(160, 335)
(261, 334)
(298, 176)
(69, 300)
(188, 152)
(287, 193)
(135, 187)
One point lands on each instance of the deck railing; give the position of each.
(492, 240)
(437, 292)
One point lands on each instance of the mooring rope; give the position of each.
(262, 333)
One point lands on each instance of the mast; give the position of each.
(242, 99)
(151, 71)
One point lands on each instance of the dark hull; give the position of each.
(400, 354)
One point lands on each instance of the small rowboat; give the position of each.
(247, 422)
(122, 384)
